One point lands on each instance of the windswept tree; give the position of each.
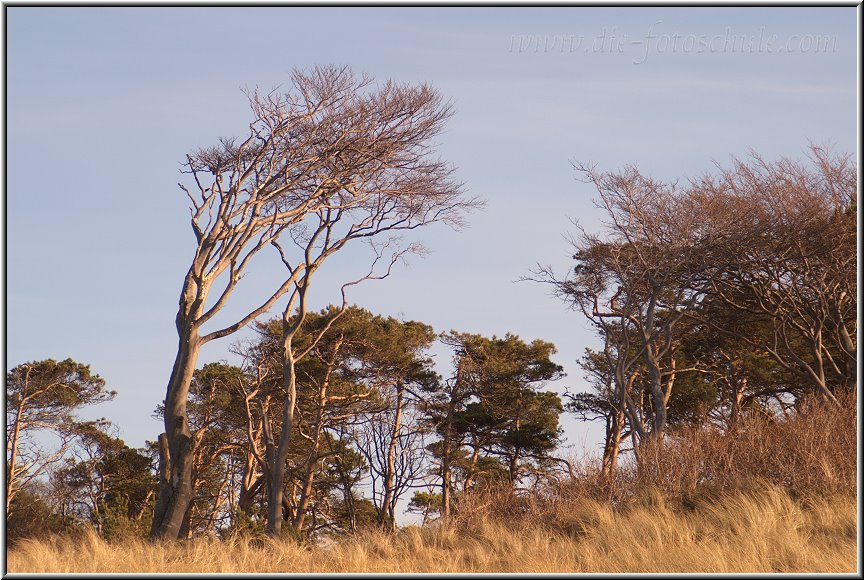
(791, 258)
(636, 281)
(245, 194)
(733, 292)
(43, 396)
(331, 152)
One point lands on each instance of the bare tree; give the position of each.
(382, 179)
(636, 283)
(759, 254)
(791, 259)
(325, 150)
(393, 444)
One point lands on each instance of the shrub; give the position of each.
(809, 454)
(30, 516)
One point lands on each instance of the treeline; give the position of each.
(371, 412)
(733, 293)
(728, 296)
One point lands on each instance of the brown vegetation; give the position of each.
(771, 495)
(806, 456)
(763, 531)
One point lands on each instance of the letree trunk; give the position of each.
(311, 461)
(305, 494)
(12, 451)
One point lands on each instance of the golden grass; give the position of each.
(763, 531)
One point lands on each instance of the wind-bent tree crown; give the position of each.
(332, 159)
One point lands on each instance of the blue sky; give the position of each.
(103, 103)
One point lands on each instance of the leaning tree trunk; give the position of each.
(12, 452)
(305, 492)
(309, 476)
(277, 455)
(176, 446)
(314, 456)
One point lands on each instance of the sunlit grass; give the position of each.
(763, 531)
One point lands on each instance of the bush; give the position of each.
(30, 516)
(809, 454)
(116, 524)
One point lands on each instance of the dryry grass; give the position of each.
(755, 531)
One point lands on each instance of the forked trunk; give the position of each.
(276, 457)
(390, 470)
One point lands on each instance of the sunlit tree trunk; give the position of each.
(472, 468)
(176, 444)
(12, 454)
(614, 429)
(446, 470)
(386, 512)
